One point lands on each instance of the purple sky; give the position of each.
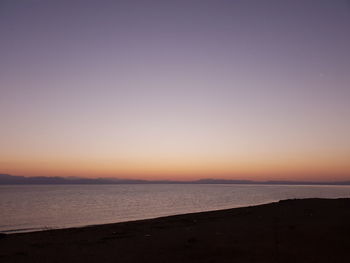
(253, 89)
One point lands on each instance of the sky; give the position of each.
(177, 90)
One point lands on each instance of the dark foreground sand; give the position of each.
(309, 230)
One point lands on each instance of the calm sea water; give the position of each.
(37, 207)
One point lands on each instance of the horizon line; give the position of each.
(108, 180)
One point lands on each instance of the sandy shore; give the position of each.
(308, 230)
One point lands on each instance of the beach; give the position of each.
(298, 230)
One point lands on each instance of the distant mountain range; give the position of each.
(11, 179)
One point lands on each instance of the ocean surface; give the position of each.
(38, 207)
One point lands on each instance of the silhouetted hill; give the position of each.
(222, 181)
(11, 179)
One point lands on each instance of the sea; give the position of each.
(25, 208)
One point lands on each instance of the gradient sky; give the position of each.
(179, 89)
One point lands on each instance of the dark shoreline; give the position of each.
(44, 229)
(298, 230)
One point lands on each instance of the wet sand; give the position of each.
(306, 230)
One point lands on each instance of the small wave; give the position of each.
(23, 230)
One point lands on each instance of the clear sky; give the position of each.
(180, 89)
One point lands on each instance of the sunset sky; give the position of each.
(181, 89)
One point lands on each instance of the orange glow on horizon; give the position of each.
(186, 169)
